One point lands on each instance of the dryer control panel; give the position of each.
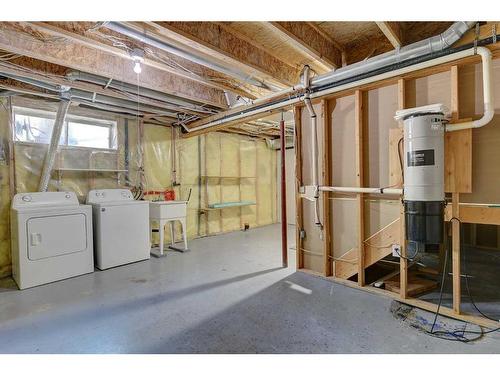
(109, 195)
(48, 198)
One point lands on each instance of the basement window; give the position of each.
(35, 126)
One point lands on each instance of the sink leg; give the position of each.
(162, 236)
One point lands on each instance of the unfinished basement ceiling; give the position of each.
(246, 60)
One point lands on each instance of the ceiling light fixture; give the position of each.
(138, 57)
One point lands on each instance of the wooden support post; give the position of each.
(298, 182)
(284, 246)
(455, 200)
(326, 109)
(403, 262)
(455, 253)
(359, 117)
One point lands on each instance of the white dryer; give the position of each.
(121, 227)
(51, 236)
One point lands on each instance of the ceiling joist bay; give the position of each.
(93, 60)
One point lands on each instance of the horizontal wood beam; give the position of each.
(393, 32)
(94, 60)
(476, 213)
(311, 42)
(218, 43)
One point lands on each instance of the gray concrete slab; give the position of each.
(227, 295)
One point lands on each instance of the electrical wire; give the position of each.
(457, 335)
(467, 276)
(401, 160)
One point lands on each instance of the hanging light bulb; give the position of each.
(137, 67)
(138, 57)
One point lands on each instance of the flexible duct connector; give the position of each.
(489, 110)
(50, 157)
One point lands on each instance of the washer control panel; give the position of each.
(109, 195)
(48, 198)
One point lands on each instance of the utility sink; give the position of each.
(166, 210)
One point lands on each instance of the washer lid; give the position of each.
(45, 199)
(109, 195)
(432, 108)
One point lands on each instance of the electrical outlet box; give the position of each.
(302, 234)
(396, 250)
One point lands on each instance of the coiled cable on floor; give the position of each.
(458, 335)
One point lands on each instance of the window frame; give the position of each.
(112, 125)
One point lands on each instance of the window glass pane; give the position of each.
(85, 135)
(34, 129)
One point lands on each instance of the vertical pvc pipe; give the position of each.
(54, 144)
(284, 246)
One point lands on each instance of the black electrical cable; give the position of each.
(401, 160)
(406, 258)
(467, 276)
(442, 333)
(458, 335)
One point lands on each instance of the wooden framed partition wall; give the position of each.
(315, 246)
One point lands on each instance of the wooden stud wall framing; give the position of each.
(457, 183)
(326, 108)
(359, 104)
(455, 199)
(403, 262)
(298, 182)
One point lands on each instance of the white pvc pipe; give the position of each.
(314, 143)
(489, 110)
(337, 189)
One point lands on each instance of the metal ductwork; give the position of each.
(132, 89)
(424, 47)
(143, 37)
(428, 52)
(90, 98)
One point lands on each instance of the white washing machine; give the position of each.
(121, 227)
(51, 236)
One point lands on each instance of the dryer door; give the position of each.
(52, 236)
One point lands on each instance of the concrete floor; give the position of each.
(228, 295)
